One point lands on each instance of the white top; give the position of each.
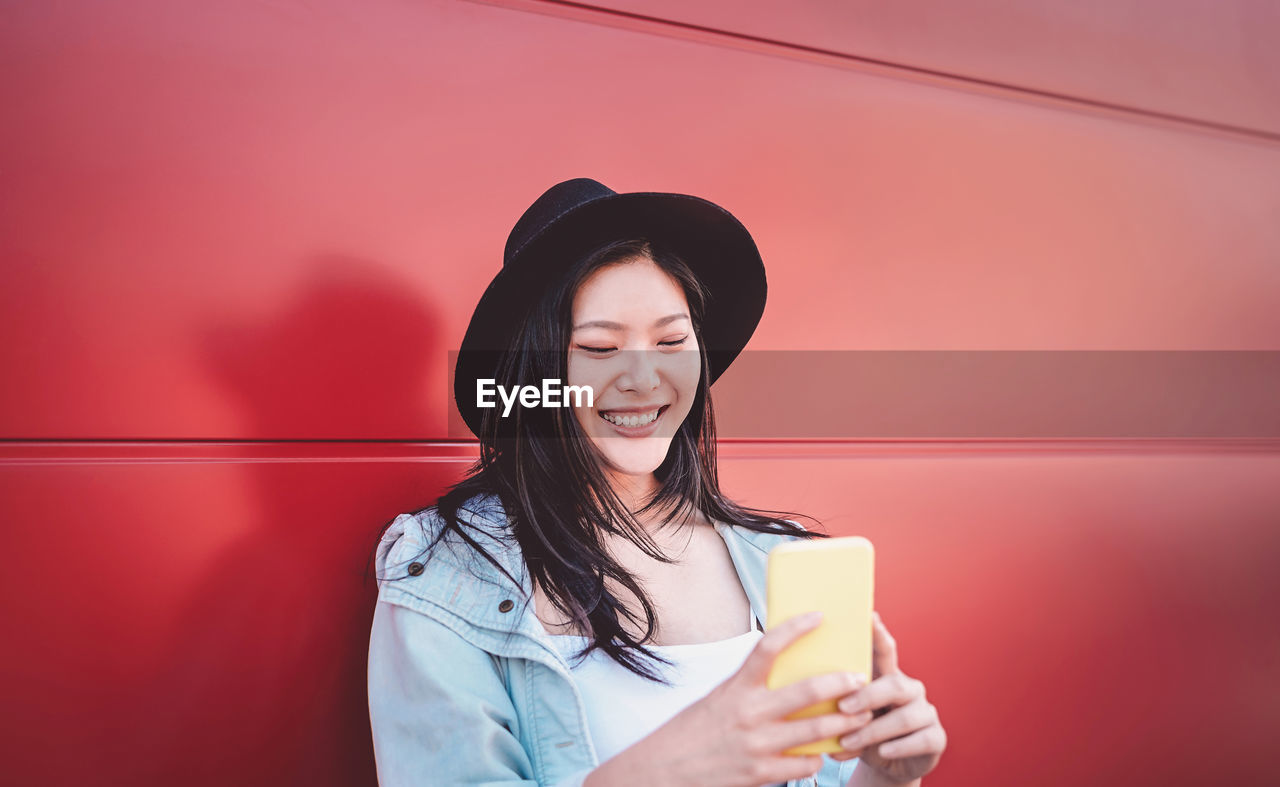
(623, 707)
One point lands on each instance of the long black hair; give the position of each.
(549, 478)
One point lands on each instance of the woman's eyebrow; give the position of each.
(617, 326)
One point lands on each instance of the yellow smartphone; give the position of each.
(836, 577)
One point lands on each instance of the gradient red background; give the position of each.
(240, 239)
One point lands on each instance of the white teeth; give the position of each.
(631, 420)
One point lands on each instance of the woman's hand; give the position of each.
(909, 722)
(735, 736)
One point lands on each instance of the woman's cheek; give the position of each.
(575, 375)
(690, 372)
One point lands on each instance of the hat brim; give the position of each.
(715, 245)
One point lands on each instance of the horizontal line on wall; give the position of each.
(151, 452)
(628, 20)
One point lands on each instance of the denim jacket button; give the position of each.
(415, 569)
(506, 605)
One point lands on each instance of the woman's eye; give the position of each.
(605, 350)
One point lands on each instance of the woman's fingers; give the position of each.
(760, 661)
(797, 732)
(884, 648)
(930, 740)
(901, 721)
(788, 699)
(890, 690)
(783, 769)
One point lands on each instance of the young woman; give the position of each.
(583, 608)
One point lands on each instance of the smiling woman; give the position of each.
(635, 656)
(643, 361)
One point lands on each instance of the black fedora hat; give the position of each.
(576, 216)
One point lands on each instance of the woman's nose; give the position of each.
(641, 370)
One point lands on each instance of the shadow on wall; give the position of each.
(264, 678)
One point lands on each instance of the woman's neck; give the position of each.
(634, 491)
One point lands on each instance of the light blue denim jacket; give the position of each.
(467, 689)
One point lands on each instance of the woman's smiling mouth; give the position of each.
(633, 424)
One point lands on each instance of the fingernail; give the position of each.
(851, 704)
(811, 617)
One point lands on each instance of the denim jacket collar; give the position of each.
(456, 580)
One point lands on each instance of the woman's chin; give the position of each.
(636, 462)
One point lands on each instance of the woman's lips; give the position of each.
(635, 431)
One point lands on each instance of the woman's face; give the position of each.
(632, 341)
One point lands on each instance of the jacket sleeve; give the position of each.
(439, 711)
(835, 773)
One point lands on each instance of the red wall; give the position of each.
(240, 239)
